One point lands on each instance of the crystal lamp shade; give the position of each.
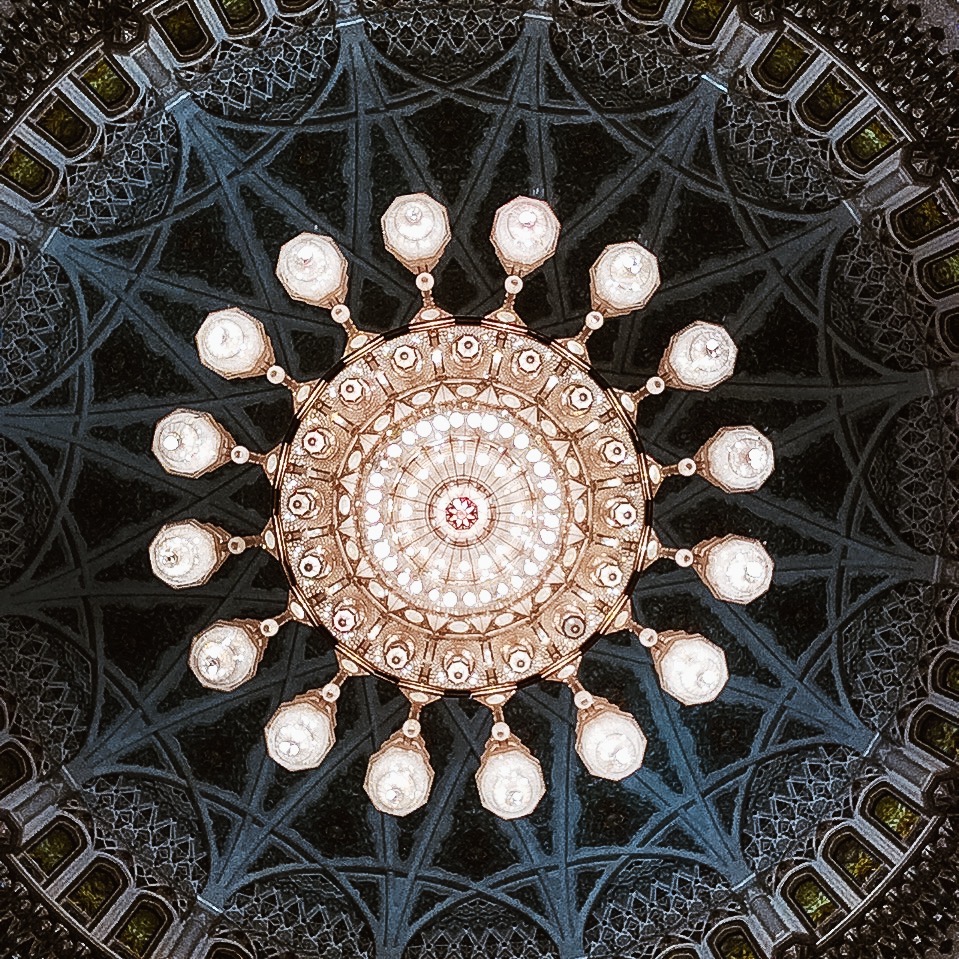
(698, 357)
(623, 278)
(737, 459)
(525, 232)
(313, 270)
(509, 779)
(416, 230)
(188, 443)
(399, 776)
(609, 741)
(690, 667)
(226, 654)
(300, 733)
(234, 344)
(736, 569)
(188, 553)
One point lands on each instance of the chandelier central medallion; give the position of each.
(462, 506)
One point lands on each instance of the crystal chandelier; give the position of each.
(463, 506)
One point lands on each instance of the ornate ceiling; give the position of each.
(793, 214)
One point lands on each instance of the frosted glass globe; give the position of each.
(699, 357)
(224, 656)
(234, 344)
(187, 443)
(416, 231)
(623, 278)
(524, 234)
(185, 554)
(691, 668)
(399, 778)
(609, 741)
(510, 781)
(736, 569)
(306, 260)
(312, 269)
(299, 735)
(738, 459)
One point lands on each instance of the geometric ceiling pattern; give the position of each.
(628, 136)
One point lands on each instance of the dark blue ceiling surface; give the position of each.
(318, 129)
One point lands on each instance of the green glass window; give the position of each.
(645, 9)
(893, 814)
(855, 860)
(947, 673)
(141, 930)
(226, 952)
(182, 28)
(61, 123)
(108, 88)
(26, 172)
(294, 6)
(702, 19)
(14, 768)
(868, 144)
(925, 217)
(937, 732)
(813, 902)
(947, 325)
(942, 273)
(50, 852)
(827, 99)
(736, 945)
(239, 15)
(782, 63)
(90, 897)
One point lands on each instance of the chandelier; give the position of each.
(463, 505)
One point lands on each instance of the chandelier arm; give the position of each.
(652, 387)
(646, 635)
(655, 551)
(425, 282)
(658, 472)
(577, 344)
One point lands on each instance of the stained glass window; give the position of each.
(239, 15)
(645, 9)
(89, 898)
(50, 852)
(182, 28)
(812, 901)
(947, 325)
(854, 859)
(62, 124)
(735, 944)
(782, 63)
(226, 952)
(869, 143)
(702, 19)
(942, 273)
(925, 217)
(827, 99)
(141, 930)
(14, 768)
(893, 814)
(937, 731)
(107, 86)
(947, 676)
(23, 170)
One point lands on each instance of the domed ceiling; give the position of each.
(790, 165)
